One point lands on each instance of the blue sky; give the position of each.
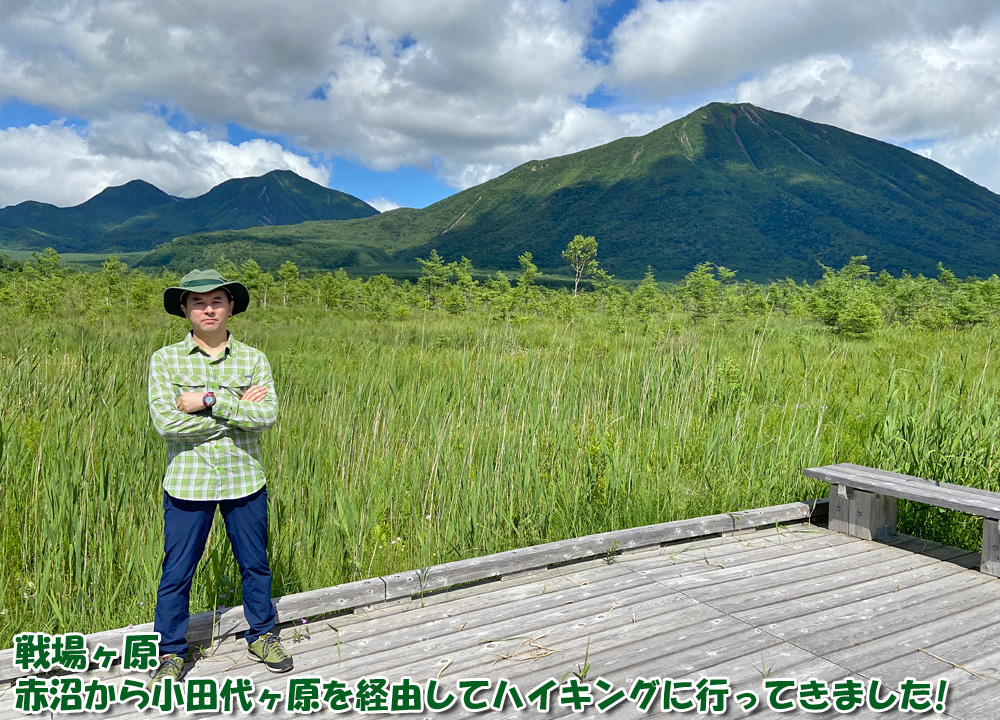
(403, 103)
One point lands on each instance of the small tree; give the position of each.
(288, 280)
(463, 279)
(256, 280)
(701, 290)
(529, 271)
(647, 299)
(861, 315)
(434, 277)
(227, 268)
(47, 262)
(581, 254)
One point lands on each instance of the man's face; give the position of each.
(207, 311)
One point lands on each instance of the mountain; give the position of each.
(768, 194)
(138, 216)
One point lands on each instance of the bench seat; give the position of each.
(863, 504)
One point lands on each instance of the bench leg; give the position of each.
(989, 562)
(866, 515)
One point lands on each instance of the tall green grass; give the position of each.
(408, 442)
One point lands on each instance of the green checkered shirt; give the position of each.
(212, 454)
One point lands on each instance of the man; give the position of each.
(210, 397)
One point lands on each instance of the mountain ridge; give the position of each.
(768, 194)
(139, 216)
(765, 193)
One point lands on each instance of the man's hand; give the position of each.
(191, 402)
(254, 393)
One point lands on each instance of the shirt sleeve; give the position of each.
(250, 416)
(171, 423)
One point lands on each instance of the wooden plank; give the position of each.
(722, 648)
(813, 563)
(971, 696)
(840, 508)
(704, 567)
(421, 581)
(976, 637)
(547, 623)
(890, 476)
(566, 639)
(873, 517)
(957, 497)
(404, 652)
(782, 588)
(204, 627)
(888, 567)
(990, 558)
(928, 603)
(617, 644)
(828, 611)
(371, 657)
(862, 514)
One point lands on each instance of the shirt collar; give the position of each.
(190, 346)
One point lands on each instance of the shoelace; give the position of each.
(169, 662)
(271, 643)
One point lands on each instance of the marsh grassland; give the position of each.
(426, 437)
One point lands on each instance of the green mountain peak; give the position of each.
(138, 215)
(768, 194)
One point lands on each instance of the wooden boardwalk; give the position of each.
(788, 601)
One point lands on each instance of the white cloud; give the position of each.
(668, 47)
(976, 156)
(944, 90)
(385, 82)
(65, 166)
(383, 204)
(472, 88)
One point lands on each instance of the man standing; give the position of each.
(210, 397)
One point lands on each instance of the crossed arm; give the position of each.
(179, 417)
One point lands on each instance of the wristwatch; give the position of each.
(209, 399)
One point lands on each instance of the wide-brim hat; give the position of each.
(200, 281)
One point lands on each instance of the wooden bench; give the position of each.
(863, 504)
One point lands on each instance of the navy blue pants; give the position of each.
(185, 530)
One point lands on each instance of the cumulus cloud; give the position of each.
(668, 47)
(66, 165)
(470, 89)
(384, 82)
(383, 204)
(976, 156)
(944, 91)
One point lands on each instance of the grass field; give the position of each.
(407, 442)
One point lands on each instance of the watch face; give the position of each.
(209, 399)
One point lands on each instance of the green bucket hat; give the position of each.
(205, 281)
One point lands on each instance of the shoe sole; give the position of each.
(272, 669)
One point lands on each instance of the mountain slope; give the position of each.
(768, 194)
(138, 216)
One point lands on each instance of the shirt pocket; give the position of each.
(186, 383)
(235, 383)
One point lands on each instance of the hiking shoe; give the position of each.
(171, 666)
(267, 649)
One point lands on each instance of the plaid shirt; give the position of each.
(212, 454)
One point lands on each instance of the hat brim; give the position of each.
(172, 297)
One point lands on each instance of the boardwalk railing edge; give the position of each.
(207, 627)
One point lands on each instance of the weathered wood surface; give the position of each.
(416, 582)
(206, 627)
(956, 497)
(799, 602)
(990, 560)
(867, 515)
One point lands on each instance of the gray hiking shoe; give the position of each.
(267, 649)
